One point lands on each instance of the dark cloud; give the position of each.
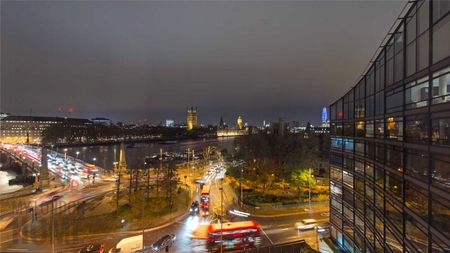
(144, 59)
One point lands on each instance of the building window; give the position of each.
(379, 153)
(379, 177)
(348, 213)
(389, 63)
(333, 112)
(440, 214)
(394, 157)
(379, 128)
(379, 73)
(441, 86)
(394, 100)
(348, 179)
(348, 129)
(394, 185)
(336, 143)
(416, 94)
(348, 105)
(336, 174)
(440, 172)
(379, 200)
(416, 199)
(379, 103)
(370, 150)
(416, 128)
(441, 38)
(369, 171)
(394, 214)
(369, 128)
(370, 106)
(392, 242)
(359, 148)
(360, 111)
(359, 167)
(336, 190)
(394, 128)
(359, 185)
(416, 235)
(359, 129)
(440, 129)
(416, 164)
(348, 145)
(335, 204)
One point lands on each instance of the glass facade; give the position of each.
(390, 142)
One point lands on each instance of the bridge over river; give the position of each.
(52, 166)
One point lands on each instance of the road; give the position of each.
(274, 230)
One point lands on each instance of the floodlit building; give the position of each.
(239, 123)
(191, 118)
(169, 123)
(29, 129)
(325, 121)
(390, 142)
(240, 129)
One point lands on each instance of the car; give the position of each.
(306, 224)
(164, 243)
(194, 210)
(92, 248)
(323, 230)
(205, 211)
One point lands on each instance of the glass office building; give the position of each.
(390, 139)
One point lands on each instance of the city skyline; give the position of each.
(105, 59)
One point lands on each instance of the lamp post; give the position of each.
(310, 176)
(65, 155)
(53, 225)
(77, 153)
(221, 215)
(242, 191)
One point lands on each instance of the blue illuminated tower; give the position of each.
(324, 116)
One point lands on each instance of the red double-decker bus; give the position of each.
(204, 196)
(235, 235)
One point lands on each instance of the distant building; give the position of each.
(169, 123)
(29, 129)
(3, 115)
(239, 123)
(239, 130)
(221, 123)
(102, 121)
(227, 132)
(191, 118)
(325, 120)
(279, 128)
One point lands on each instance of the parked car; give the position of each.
(92, 248)
(164, 242)
(306, 224)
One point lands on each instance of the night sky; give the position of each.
(150, 60)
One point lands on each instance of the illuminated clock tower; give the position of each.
(191, 118)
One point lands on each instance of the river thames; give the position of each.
(135, 154)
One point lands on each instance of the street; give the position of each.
(274, 230)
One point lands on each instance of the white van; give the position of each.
(129, 245)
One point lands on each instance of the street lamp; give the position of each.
(65, 155)
(242, 191)
(310, 176)
(78, 152)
